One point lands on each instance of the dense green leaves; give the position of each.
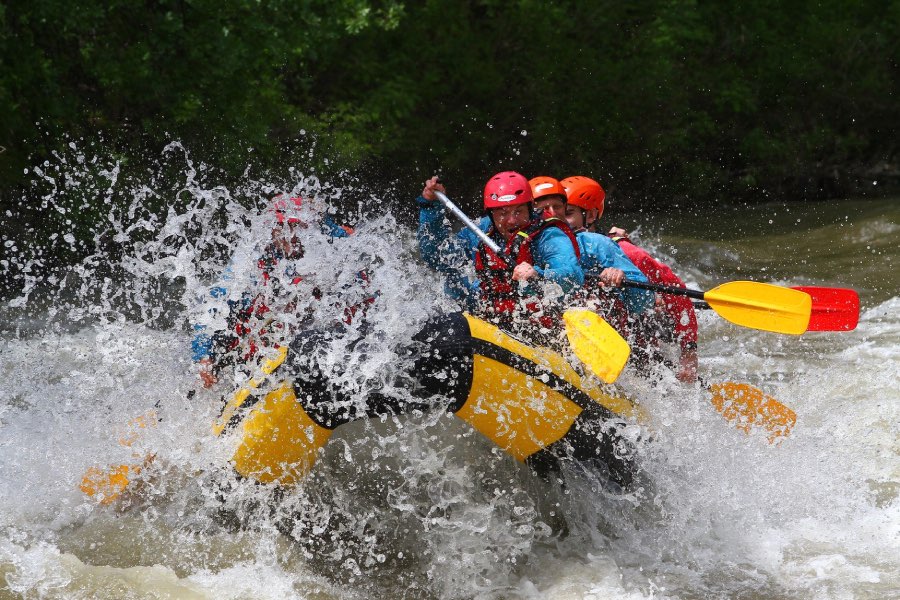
(658, 99)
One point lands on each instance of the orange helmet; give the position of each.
(584, 193)
(546, 186)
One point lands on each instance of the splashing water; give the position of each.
(418, 506)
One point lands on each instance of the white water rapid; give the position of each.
(421, 506)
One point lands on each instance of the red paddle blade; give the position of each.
(833, 309)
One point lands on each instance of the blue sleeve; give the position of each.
(599, 252)
(332, 229)
(201, 344)
(444, 253)
(432, 233)
(469, 239)
(555, 259)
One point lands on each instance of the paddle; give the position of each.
(596, 343)
(750, 304)
(748, 406)
(593, 340)
(108, 485)
(833, 309)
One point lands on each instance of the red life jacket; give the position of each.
(499, 293)
(249, 325)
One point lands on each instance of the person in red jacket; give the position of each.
(673, 319)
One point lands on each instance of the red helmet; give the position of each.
(546, 186)
(506, 189)
(287, 209)
(584, 193)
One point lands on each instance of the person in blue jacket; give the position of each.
(605, 265)
(520, 290)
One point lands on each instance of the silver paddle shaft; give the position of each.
(469, 223)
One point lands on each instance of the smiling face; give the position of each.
(553, 204)
(511, 219)
(575, 217)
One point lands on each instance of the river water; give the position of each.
(422, 507)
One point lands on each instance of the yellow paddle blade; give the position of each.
(596, 343)
(134, 427)
(268, 367)
(106, 485)
(762, 306)
(748, 406)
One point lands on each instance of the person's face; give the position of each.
(574, 216)
(510, 219)
(553, 204)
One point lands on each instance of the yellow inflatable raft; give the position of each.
(527, 400)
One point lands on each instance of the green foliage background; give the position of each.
(660, 100)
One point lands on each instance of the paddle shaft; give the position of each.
(459, 214)
(665, 289)
(655, 287)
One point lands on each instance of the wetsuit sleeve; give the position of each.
(444, 253)
(679, 308)
(555, 259)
